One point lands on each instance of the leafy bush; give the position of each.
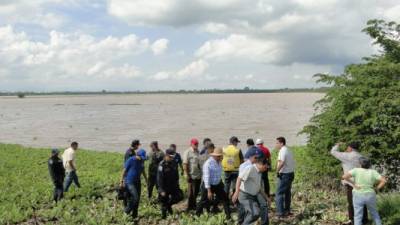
(389, 208)
(363, 104)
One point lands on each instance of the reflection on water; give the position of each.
(110, 122)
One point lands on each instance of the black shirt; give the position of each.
(168, 176)
(56, 169)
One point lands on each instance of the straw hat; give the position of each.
(217, 152)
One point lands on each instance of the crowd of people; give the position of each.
(229, 176)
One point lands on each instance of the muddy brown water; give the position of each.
(110, 122)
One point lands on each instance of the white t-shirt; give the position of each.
(68, 155)
(286, 156)
(251, 180)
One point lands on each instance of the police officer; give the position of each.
(57, 173)
(168, 183)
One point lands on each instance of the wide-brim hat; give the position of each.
(217, 152)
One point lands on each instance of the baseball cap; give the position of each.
(259, 141)
(170, 152)
(234, 139)
(253, 151)
(194, 141)
(54, 151)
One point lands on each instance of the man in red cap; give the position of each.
(192, 167)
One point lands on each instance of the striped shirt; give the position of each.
(212, 171)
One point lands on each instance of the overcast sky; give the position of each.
(90, 45)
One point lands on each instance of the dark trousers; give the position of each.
(151, 184)
(193, 191)
(230, 178)
(220, 194)
(266, 183)
(283, 196)
(132, 199)
(58, 193)
(69, 178)
(350, 209)
(171, 197)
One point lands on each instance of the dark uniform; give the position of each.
(168, 182)
(155, 159)
(57, 173)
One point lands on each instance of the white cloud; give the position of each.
(194, 69)
(215, 28)
(240, 46)
(160, 46)
(67, 55)
(163, 75)
(30, 12)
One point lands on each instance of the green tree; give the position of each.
(363, 104)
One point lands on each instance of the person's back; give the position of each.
(133, 169)
(56, 168)
(169, 181)
(363, 193)
(231, 160)
(365, 179)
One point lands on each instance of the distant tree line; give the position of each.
(201, 91)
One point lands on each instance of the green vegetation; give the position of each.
(26, 194)
(363, 105)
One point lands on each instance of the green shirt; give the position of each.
(365, 179)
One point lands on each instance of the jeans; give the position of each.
(253, 206)
(219, 192)
(133, 199)
(365, 199)
(69, 178)
(230, 178)
(193, 189)
(283, 196)
(350, 207)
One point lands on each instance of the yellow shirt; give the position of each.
(231, 160)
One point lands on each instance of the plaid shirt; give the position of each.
(212, 171)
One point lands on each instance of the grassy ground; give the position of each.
(26, 194)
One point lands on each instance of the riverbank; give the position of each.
(26, 192)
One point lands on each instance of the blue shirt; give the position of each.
(212, 171)
(133, 169)
(142, 154)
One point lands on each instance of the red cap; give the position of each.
(194, 141)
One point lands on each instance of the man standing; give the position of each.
(168, 183)
(68, 158)
(233, 157)
(177, 157)
(253, 154)
(251, 196)
(350, 159)
(192, 167)
(212, 183)
(206, 142)
(285, 169)
(130, 179)
(155, 156)
(267, 155)
(57, 173)
(140, 154)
